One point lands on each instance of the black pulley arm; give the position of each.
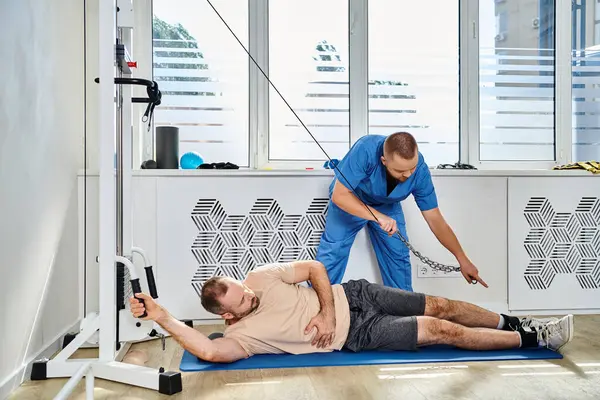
(154, 94)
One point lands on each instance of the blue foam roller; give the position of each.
(432, 354)
(191, 160)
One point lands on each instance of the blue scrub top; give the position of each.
(362, 169)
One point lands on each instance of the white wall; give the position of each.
(41, 142)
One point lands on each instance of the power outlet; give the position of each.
(425, 271)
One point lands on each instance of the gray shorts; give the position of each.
(381, 317)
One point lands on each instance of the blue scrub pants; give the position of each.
(392, 254)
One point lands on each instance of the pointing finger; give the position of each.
(481, 281)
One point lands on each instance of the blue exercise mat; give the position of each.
(432, 354)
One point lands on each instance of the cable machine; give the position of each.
(113, 328)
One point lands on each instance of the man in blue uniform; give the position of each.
(383, 171)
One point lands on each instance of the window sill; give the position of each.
(329, 173)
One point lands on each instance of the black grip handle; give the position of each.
(151, 282)
(135, 286)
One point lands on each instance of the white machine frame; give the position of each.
(115, 329)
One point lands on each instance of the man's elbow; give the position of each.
(212, 357)
(340, 192)
(317, 268)
(207, 356)
(223, 358)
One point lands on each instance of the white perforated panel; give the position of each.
(233, 245)
(554, 244)
(563, 243)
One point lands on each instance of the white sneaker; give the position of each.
(536, 323)
(556, 334)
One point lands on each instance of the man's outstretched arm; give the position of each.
(426, 199)
(221, 350)
(445, 235)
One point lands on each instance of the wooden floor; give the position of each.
(575, 377)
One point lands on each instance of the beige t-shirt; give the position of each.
(285, 309)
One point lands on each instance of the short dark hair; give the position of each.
(401, 143)
(212, 290)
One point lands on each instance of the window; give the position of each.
(586, 82)
(203, 75)
(481, 82)
(308, 63)
(516, 80)
(414, 74)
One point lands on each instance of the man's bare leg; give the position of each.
(464, 313)
(437, 331)
(431, 331)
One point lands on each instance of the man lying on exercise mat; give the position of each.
(269, 312)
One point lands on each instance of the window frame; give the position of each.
(562, 93)
(469, 134)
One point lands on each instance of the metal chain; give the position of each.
(433, 264)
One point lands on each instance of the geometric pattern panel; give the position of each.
(234, 245)
(562, 243)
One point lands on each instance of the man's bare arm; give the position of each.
(445, 235)
(344, 198)
(324, 321)
(320, 281)
(219, 350)
(316, 274)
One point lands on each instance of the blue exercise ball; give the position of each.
(191, 160)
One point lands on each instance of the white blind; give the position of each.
(209, 106)
(586, 104)
(420, 96)
(308, 63)
(516, 104)
(318, 91)
(413, 75)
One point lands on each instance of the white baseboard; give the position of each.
(23, 374)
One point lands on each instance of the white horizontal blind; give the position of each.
(421, 99)
(516, 104)
(586, 105)
(200, 101)
(203, 75)
(308, 63)
(413, 77)
(322, 103)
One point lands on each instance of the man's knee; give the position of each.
(439, 307)
(433, 330)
